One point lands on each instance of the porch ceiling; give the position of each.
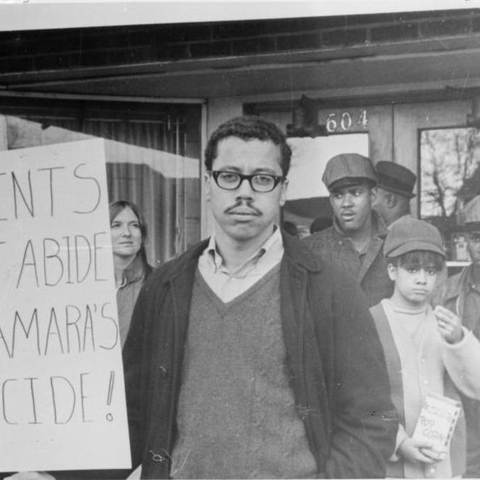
(387, 67)
(250, 77)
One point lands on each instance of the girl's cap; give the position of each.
(408, 234)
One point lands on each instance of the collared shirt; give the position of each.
(227, 284)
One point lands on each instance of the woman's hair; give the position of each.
(116, 207)
(418, 259)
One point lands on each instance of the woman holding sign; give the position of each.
(129, 234)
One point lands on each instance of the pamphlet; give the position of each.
(437, 421)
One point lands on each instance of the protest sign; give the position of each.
(62, 399)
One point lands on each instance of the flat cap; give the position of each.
(395, 178)
(348, 169)
(408, 234)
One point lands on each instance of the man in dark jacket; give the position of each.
(355, 240)
(248, 356)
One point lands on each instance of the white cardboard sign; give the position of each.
(62, 398)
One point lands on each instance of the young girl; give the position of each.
(427, 350)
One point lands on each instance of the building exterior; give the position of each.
(404, 87)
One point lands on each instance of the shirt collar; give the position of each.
(134, 272)
(470, 278)
(270, 251)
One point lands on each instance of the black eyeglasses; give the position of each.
(259, 182)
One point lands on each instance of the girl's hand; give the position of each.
(416, 451)
(449, 325)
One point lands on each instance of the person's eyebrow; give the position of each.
(256, 171)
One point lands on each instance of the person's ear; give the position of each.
(392, 200)
(283, 194)
(330, 198)
(208, 185)
(373, 195)
(392, 271)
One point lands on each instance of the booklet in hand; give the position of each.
(437, 421)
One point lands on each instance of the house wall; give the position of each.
(393, 129)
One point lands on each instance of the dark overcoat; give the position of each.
(334, 359)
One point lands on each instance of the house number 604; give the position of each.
(345, 121)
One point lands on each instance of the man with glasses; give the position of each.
(248, 357)
(461, 295)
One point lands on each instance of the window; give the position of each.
(449, 178)
(153, 157)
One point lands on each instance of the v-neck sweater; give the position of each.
(237, 415)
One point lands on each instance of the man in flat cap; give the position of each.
(461, 295)
(395, 190)
(355, 241)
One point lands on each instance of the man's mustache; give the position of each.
(243, 204)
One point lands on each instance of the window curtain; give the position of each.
(145, 165)
(157, 187)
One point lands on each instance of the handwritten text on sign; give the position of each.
(62, 403)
